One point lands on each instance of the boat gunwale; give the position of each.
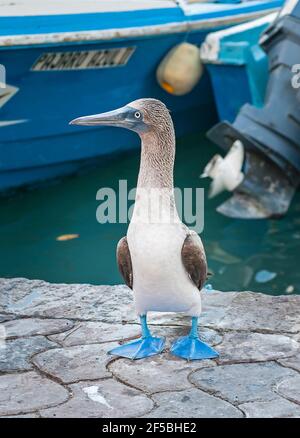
(118, 34)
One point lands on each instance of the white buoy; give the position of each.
(180, 70)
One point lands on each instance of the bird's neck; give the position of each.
(157, 160)
(155, 201)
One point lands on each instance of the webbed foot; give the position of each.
(192, 348)
(143, 347)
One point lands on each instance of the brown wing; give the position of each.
(124, 261)
(194, 259)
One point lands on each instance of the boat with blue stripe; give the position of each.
(64, 58)
(237, 65)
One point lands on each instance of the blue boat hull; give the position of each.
(39, 144)
(44, 145)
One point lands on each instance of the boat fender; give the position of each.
(180, 70)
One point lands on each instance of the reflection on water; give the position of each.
(260, 255)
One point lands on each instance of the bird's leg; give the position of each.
(194, 328)
(191, 347)
(145, 346)
(145, 329)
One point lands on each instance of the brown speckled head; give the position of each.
(158, 143)
(154, 114)
(151, 119)
(142, 115)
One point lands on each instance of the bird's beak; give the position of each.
(117, 118)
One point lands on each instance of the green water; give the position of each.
(237, 250)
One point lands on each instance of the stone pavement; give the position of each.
(53, 361)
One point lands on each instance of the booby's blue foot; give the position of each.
(146, 346)
(143, 347)
(191, 348)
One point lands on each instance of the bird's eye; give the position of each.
(137, 115)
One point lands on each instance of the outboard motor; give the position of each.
(271, 134)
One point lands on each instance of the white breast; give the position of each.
(160, 282)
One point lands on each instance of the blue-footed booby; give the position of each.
(160, 259)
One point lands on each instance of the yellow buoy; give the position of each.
(180, 70)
